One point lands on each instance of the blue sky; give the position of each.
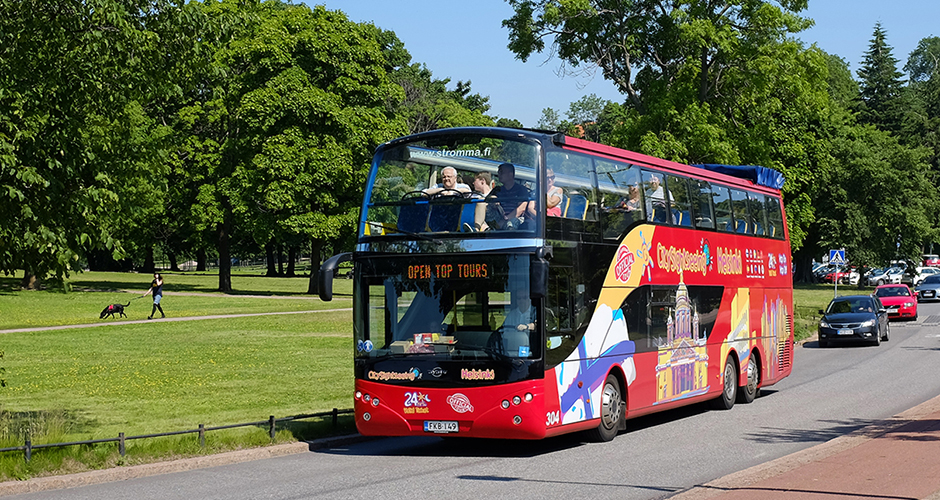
(466, 41)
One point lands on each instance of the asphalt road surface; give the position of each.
(830, 393)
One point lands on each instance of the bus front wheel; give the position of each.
(612, 411)
(729, 390)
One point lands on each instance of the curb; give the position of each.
(782, 465)
(145, 470)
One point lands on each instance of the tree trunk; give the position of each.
(803, 267)
(280, 259)
(174, 265)
(201, 259)
(225, 251)
(316, 246)
(269, 257)
(291, 259)
(30, 281)
(149, 266)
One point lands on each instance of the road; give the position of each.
(830, 393)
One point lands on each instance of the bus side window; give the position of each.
(702, 204)
(681, 200)
(656, 195)
(723, 215)
(620, 198)
(577, 182)
(742, 216)
(774, 217)
(758, 214)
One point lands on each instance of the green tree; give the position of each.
(881, 102)
(281, 144)
(637, 45)
(550, 120)
(924, 60)
(80, 153)
(879, 188)
(705, 82)
(585, 112)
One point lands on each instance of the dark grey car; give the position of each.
(853, 318)
(929, 289)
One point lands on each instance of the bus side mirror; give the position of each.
(327, 272)
(538, 279)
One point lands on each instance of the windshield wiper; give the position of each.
(407, 233)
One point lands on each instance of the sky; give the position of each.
(466, 41)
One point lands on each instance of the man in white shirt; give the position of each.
(448, 183)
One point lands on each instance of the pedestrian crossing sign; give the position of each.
(837, 257)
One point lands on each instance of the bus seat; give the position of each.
(685, 218)
(373, 229)
(740, 226)
(413, 218)
(577, 206)
(467, 214)
(658, 214)
(444, 217)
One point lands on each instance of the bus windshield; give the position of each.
(477, 307)
(456, 183)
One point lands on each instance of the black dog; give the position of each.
(114, 309)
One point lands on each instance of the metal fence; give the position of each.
(271, 423)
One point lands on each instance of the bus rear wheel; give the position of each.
(749, 391)
(612, 411)
(729, 390)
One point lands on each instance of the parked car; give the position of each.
(891, 275)
(931, 260)
(899, 300)
(853, 318)
(919, 275)
(845, 275)
(821, 271)
(929, 289)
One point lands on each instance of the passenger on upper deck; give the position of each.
(513, 203)
(482, 185)
(448, 183)
(553, 195)
(656, 199)
(632, 201)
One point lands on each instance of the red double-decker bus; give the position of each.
(517, 284)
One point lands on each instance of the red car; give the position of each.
(931, 260)
(900, 301)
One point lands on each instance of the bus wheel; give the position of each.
(729, 389)
(749, 391)
(612, 411)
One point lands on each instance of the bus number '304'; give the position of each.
(552, 418)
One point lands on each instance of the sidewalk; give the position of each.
(897, 459)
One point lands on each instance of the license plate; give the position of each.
(928, 293)
(441, 426)
(846, 331)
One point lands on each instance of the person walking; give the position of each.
(156, 288)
